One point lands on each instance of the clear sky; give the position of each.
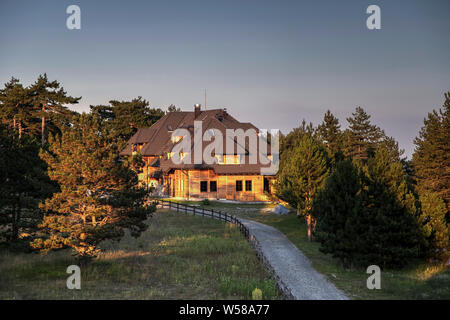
(272, 63)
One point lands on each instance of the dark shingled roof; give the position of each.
(156, 140)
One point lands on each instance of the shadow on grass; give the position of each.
(178, 257)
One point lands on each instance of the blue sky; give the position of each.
(272, 63)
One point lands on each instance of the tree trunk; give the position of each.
(42, 130)
(20, 129)
(16, 219)
(309, 225)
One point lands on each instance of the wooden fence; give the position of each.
(210, 213)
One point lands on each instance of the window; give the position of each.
(231, 159)
(213, 186)
(248, 185)
(203, 186)
(238, 185)
(266, 185)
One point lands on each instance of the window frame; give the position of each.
(248, 182)
(239, 182)
(204, 183)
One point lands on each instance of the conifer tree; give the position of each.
(23, 184)
(16, 109)
(431, 158)
(435, 227)
(335, 209)
(125, 117)
(369, 218)
(362, 137)
(49, 100)
(330, 133)
(289, 141)
(98, 199)
(302, 173)
(394, 236)
(173, 108)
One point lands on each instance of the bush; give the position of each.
(206, 202)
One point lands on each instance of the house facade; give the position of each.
(234, 175)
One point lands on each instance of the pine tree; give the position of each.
(125, 117)
(49, 100)
(368, 216)
(436, 229)
(16, 108)
(23, 184)
(394, 222)
(172, 108)
(361, 138)
(289, 141)
(335, 209)
(330, 133)
(302, 173)
(431, 158)
(98, 199)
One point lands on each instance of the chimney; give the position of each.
(197, 110)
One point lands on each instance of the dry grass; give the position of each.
(178, 257)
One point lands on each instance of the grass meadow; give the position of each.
(419, 280)
(178, 257)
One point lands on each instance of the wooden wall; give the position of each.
(186, 184)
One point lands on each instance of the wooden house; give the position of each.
(231, 177)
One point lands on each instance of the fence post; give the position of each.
(203, 211)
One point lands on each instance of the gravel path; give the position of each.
(291, 266)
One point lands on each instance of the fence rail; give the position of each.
(211, 213)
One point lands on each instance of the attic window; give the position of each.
(176, 139)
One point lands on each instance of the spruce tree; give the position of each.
(330, 133)
(98, 198)
(302, 173)
(362, 137)
(431, 158)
